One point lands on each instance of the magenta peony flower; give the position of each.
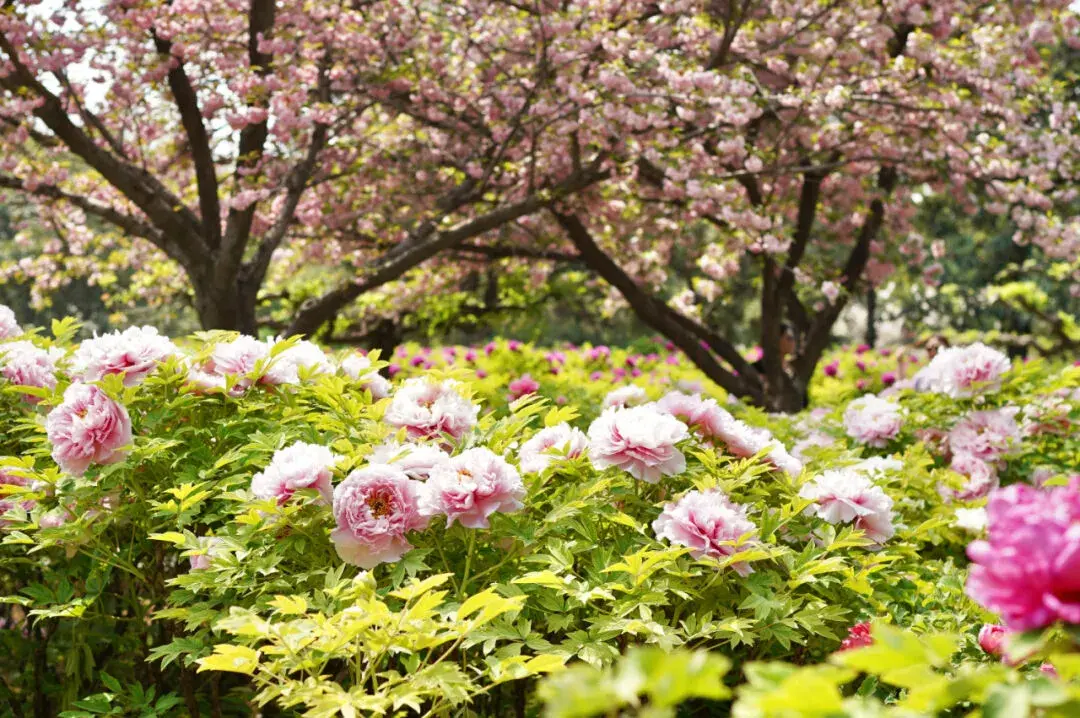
(24, 364)
(992, 639)
(986, 435)
(1028, 569)
(888, 378)
(375, 508)
(845, 496)
(416, 460)
(429, 409)
(298, 466)
(9, 325)
(523, 386)
(640, 440)
(471, 487)
(358, 368)
(858, 636)
(87, 428)
(960, 372)
(709, 524)
(133, 353)
(285, 367)
(873, 421)
(832, 368)
(624, 396)
(549, 445)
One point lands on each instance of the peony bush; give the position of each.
(219, 524)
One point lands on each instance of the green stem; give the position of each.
(468, 564)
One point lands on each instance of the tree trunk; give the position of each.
(226, 307)
(871, 316)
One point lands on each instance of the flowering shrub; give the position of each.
(205, 524)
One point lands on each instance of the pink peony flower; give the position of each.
(298, 466)
(640, 440)
(992, 639)
(624, 396)
(873, 421)
(211, 546)
(429, 409)
(375, 508)
(744, 441)
(416, 460)
(285, 367)
(88, 427)
(702, 414)
(709, 524)
(858, 636)
(523, 386)
(986, 435)
(133, 353)
(471, 487)
(24, 364)
(237, 358)
(7, 499)
(888, 378)
(549, 445)
(982, 477)
(960, 372)
(1028, 569)
(358, 368)
(832, 368)
(845, 496)
(9, 325)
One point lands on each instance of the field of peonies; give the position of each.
(219, 525)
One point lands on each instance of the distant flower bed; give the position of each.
(304, 531)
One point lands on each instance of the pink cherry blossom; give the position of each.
(297, 466)
(549, 445)
(87, 428)
(846, 496)
(471, 487)
(133, 353)
(416, 460)
(428, 409)
(709, 524)
(1028, 569)
(358, 368)
(640, 440)
(9, 325)
(24, 364)
(375, 508)
(873, 421)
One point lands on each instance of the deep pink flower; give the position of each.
(24, 364)
(832, 368)
(888, 378)
(375, 508)
(849, 496)
(470, 355)
(298, 466)
(992, 639)
(523, 386)
(549, 445)
(858, 636)
(640, 440)
(709, 524)
(9, 325)
(471, 487)
(1028, 569)
(873, 421)
(430, 409)
(87, 428)
(133, 353)
(514, 345)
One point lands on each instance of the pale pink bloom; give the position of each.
(358, 368)
(877, 466)
(8, 500)
(430, 409)
(845, 496)
(1028, 569)
(831, 290)
(705, 415)
(873, 421)
(285, 367)
(640, 440)
(375, 508)
(297, 466)
(1041, 475)
(212, 546)
(237, 358)
(549, 445)
(973, 520)
(815, 439)
(9, 325)
(960, 372)
(744, 441)
(87, 428)
(981, 476)
(55, 518)
(416, 460)
(709, 524)
(624, 396)
(986, 435)
(133, 353)
(471, 487)
(24, 364)
(522, 386)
